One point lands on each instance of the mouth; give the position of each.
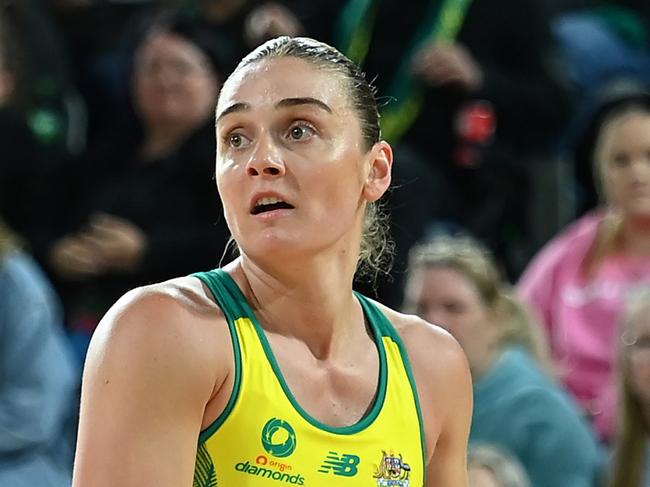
(269, 203)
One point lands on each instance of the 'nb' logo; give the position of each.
(344, 465)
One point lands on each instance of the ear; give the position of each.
(380, 164)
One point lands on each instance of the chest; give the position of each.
(335, 393)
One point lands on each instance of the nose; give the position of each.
(266, 159)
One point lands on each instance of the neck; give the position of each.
(313, 303)
(480, 366)
(636, 236)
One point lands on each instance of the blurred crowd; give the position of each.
(520, 206)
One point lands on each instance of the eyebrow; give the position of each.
(237, 107)
(285, 102)
(307, 100)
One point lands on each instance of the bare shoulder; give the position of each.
(170, 324)
(155, 363)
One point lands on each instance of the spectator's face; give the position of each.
(446, 297)
(624, 155)
(174, 84)
(481, 477)
(638, 356)
(286, 131)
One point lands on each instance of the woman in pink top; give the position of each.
(579, 281)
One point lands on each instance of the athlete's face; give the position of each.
(292, 169)
(446, 297)
(624, 154)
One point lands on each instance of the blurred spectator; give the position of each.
(38, 376)
(454, 283)
(25, 160)
(469, 90)
(97, 37)
(631, 467)
(242, 25)
(43, 90)
(489, 466)
(141, 206)
(579, 281)
(605, 46)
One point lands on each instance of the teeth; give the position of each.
(268, 201)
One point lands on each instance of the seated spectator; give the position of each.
(606, 46)
(39, 377)
(489, 466)
(26, 156)
(141, 206)
(454, 283)
(578, 282)
(44, 91)
(631, 467)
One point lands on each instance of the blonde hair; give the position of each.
(633, 428)
(473, 260)
(609, 230)
(8, 240)
(506, 469)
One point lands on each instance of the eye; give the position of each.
(237, 140)
(620, 160)
(454, 307)
(301, 131)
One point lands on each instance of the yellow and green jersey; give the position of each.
(265, 438)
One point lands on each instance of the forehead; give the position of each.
(266, 82)
(625, 124)
(446, 279)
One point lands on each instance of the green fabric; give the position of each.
(234, 306)
(625, 23)
(354, 29)
(442, 22)
(205, 474)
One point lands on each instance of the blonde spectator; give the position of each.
(631, 461)
(454, 282)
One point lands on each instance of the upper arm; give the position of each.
(448, 462)
(146, 382)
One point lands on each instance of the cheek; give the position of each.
(203, 93)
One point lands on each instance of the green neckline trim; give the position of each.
(227, 304)
(383, 366)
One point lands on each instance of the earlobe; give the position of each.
(379, 175)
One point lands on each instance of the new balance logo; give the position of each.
(344, 465)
